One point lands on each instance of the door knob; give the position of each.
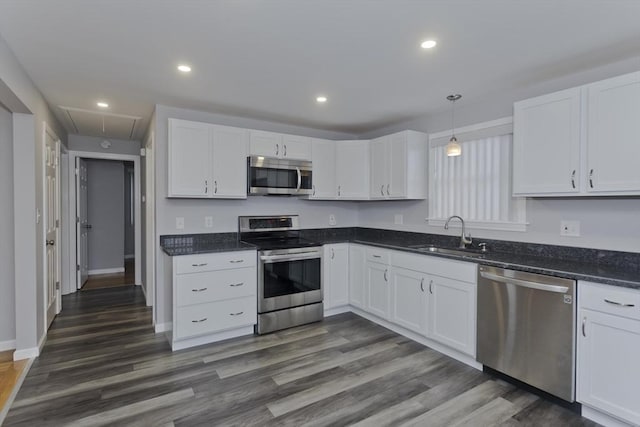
(50, 242)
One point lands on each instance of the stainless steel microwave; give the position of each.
(271, 176)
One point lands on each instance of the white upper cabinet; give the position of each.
(229, 147)
(613, 135)
(323, 157)
(206, 161)
(399, 166)
(579, 142)
(190, 170)
(352, 169)
(546, 144)
(271, 144)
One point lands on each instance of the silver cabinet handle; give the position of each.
(50, 242)
(422, 284)
(199, 290)
(333, 253)
(388, 193)
(204, 319)
(385, 275)
(199, 265)
(591, 178)
(314, 189)
(285, 149)
(377, 256)
(338, 190)
(382, 190)
(277, 149)
(206, 186)
(431, 286)
(584, 321)
(236, 261)
(621, 304)
(215, 186)
(299, 175)
(236, 314)
(573, 179)
(235, 285)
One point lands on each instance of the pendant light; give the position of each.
(453, 147)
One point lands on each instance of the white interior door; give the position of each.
(52, 225)
(82, 223)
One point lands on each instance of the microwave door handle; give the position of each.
(299, 180)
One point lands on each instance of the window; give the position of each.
(477, 184)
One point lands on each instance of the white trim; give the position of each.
(7, 345)
(14, 392)
(130, 256)
(480, 225)
(602, 417)
(336, 310)
(150, 218)
(26, 353)
(163, 327)
(106, 271)
(211, 338)
(472, 128)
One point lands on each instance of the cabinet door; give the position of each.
(452, 313)
(323, 157)
(397, 165)
(357, 276)
(336, 275)
(379, 168)
(352, 169)
(378, 287)
(296, 147)
(189, 159)
(613, 135)
(408, 299)
(607, 374)
(229, 162)
(268, 144)
(546, 144)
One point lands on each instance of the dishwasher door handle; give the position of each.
(524, 283)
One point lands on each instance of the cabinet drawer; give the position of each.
(378, 255)
(609, 299)
(215, 316)
(197, 288)
(210, 262)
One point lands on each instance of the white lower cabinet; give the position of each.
(357, 271)
(608, 350)
(336, 275)
(214, 296)
(409, 299)
(377, 279)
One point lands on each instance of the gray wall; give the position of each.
(225, 212)
(106, 214)
(7, 283)
(92, 143)
(129, 226)
(606, 223)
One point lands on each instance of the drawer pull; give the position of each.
(619, 303)
(199, 265)
(584, 321)
(236, 314)
(204, 319)
(235, 285)
(236, 261)
(377, 256)
(199, 290)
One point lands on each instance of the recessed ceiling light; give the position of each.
(184, 68)
(428, 44)
(321, 99)
(102, 104)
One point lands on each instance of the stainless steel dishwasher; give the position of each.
(526, 328)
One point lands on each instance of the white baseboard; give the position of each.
(7, 345)
(163, 327)
(130, 256)
(207, 339)
(336, 310)
(602, 418)
(26, 353)
(106, 271)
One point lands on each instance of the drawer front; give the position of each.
(209, 286)
(217, 316)
(609, 299)
(219, 261)
(378, 255)
(452, 269)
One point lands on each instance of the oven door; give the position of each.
(278, 176)
(289, 278)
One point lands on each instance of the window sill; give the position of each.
(481, 225)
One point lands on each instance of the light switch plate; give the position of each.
(570, 228)
(180, 223)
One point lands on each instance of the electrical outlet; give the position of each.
(179, 223)
(570, 228)
(208, 221)
(332, 219)
(398, 219)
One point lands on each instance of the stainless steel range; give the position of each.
(290, 287)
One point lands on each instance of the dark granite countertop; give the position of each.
(602, 266)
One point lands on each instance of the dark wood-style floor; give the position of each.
(103, 364)
(114, 280)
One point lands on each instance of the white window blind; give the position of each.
(476, 185)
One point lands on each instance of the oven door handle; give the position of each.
(268, 259)
(299, 179)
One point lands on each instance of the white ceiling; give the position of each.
(269, 59)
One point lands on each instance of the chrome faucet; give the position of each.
(465, 239)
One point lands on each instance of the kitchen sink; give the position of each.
(473, 253)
